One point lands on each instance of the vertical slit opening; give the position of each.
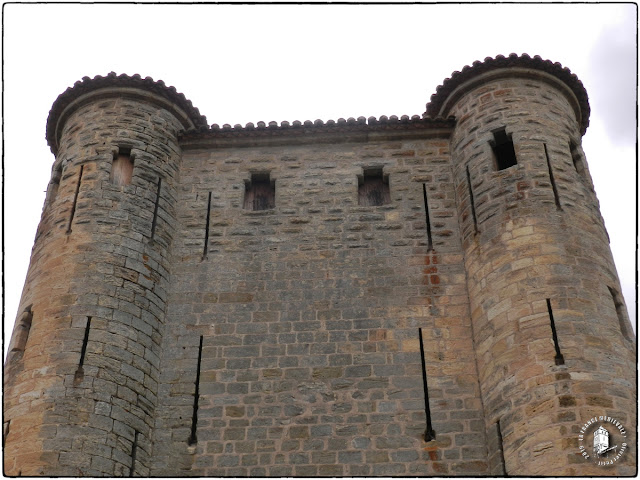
(556, 197)
(260, 192)
(193, 439)
(373, 188)
(558, 358)
(54, 185)
(426, 213)
(5, 432)
(122, 167)
(620, 312)
(429, 433)
(206, 229)
(23, 327)
(75, 199)
(501, 448)
(155, 209)
(577, 158)
(80, 371)
(503, 150)
(134, 451)
(472, 202)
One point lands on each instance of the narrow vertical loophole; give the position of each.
(426, 213)
(54, 185)
(556, 196)
(134, 451)
(75, 199)
(576, 157)
(193, 439)
(622, 318)
(21, 335)
(155, 209)
(206, 229)
(429, 433)
(501, 448)
(558, 358)
(472, 201)
(5, 432)
(83, 351)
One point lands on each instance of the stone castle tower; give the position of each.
(405, 296)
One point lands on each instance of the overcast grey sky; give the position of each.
(249, 63)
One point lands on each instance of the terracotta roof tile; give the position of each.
(513, 60)
(430, 119)
(113, 80)
(328, 124)
(309, 131)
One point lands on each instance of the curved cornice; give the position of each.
(146, 89)
(525, 66)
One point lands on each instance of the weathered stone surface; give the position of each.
(162, 320)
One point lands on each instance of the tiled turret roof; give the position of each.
(434, 107)
(120, 81)
(432, 118)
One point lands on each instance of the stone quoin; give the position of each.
(398, 296)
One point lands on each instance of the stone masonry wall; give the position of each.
(309, 315)
(98, 283)
(534, 244)
(31, 381)
(167, 330)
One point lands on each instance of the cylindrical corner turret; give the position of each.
(81, 378)
(545, 299)
(291, 335)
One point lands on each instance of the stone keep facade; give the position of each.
(250, 300)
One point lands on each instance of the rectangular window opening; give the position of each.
(260, 192)
(122, 167)
(503, 150)
(373, 188)
(620, 312)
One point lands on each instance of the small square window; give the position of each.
(373, 188)
(260, 193)
(122, 168)
(503, 150)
